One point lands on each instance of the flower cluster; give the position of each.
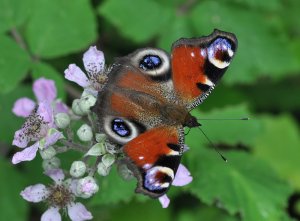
(48, 130)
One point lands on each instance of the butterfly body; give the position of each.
(146, 103)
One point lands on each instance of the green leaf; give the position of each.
(206, 213)
(59, 27)
(13, 13)
(12, 206)
(231, 132)
(274, 96)
(279, 145)
(244, 185)
(178, 27)
(139, 20)
(9, 122)
(113, 189)
(14, 64)
(272, 5)
(260, 52)
(135, 211)
(41, 69)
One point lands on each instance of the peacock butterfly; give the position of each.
(147, 100)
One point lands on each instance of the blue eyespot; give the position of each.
(220, 53)
(120, 127)
(150, 62)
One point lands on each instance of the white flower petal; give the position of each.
(53, 138)
(56, 174)
(26, 155)
(78, 212)
(20, 139)
(52, 214)
(23, 107)
(45, 110)
(75, 74)
(93, 60)
(35, 193)
(164, 201)
(182, 177)
(44, 90)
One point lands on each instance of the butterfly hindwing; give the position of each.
(154, 157)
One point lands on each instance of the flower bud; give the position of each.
(62, 120)
(86, 187)
(48, 153)
(78, 168)
(76, 108)
(124, 172)
(97, 150)
(85, 133)
(102, 169)
(53, 163)
(108, 159)
(86, 103)
(100, 138)
(111, 148)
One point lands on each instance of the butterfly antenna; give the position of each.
(216, 149)
(243, 118)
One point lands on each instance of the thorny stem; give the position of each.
(91, 121)
(94, 168)
(70, 133)
(72, 91)
(73, 145)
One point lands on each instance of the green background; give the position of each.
(41, 37)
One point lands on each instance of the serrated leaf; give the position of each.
(279, 145)
(12, 206)
(230, 132)
(256, 55)
(60, 27)
(10, 122)
(113, 190)
(139, 20)
(244, 185)
(41, 69)
(14, 64)
(13, 13)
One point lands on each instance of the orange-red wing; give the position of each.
(154, 156)
(199, 63)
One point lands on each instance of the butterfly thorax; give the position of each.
(174, 115)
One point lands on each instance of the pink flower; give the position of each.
(39, 128)
(94, 64)
(182, 178)
(39, 192)
(45, 91)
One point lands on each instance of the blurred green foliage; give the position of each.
(40, 38)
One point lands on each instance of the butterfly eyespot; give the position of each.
(220, 53)
(120, 130)
(120, 127)
(150, 62)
